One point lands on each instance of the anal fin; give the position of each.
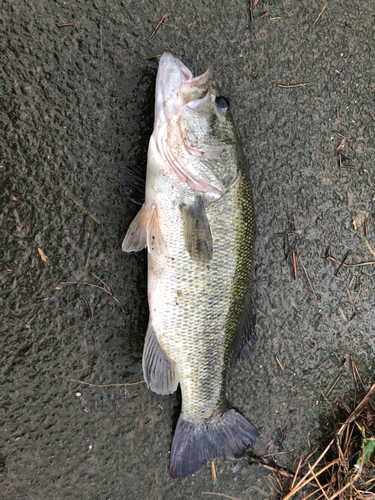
(159, 370)
(198, 237)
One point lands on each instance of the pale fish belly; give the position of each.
(189, 301)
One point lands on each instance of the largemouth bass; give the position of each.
(197, 223)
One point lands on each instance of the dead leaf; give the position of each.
(17, 196)
(41, 253)
(359, 220)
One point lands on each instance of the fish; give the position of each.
(197, 222)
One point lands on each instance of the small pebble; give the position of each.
(78, 394)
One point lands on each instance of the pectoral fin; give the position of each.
(198, 238)
(136, 236)
(144, 232)
(155, 240)
(158, 370)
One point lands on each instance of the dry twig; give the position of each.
(85, 210)
(158, 26)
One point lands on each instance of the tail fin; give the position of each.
(227, 435)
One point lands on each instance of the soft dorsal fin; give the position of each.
(245, 334)
(158, 370)
(197, 232)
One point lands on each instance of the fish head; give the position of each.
(194, 129)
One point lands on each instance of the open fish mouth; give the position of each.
(176, 88)
(178, 94)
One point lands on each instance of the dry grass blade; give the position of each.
(281, 472)
(32, 317)
(279, 362)
(359, 264)
(310, 283)
(321, 13)
(358, 375)
(305, 480)
(296, 474)
(106, 288)
(342, 262)
(86, 304)
(349, 295)
(313, 493)
(85, 210)
(294, 85)
(106, 385)
(345, 445)
(334, 384)
(317, 480)
(299, 64)
(279, 485)
(109, 291)
(340, 147)
(259, 490)
(356, 372)
(278, 453)
(343, 314)
(294, 264)
(152, 57)
(213, 470)
(371, 250)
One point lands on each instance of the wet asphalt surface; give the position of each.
(76, 105)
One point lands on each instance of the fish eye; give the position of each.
(222, 103)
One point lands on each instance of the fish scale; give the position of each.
(198, 224)
(195, 328)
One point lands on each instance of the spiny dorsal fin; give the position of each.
(198, 238)
(133, 182)
(158, 370)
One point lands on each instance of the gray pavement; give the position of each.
(76, 104)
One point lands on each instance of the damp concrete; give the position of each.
(76, 105)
